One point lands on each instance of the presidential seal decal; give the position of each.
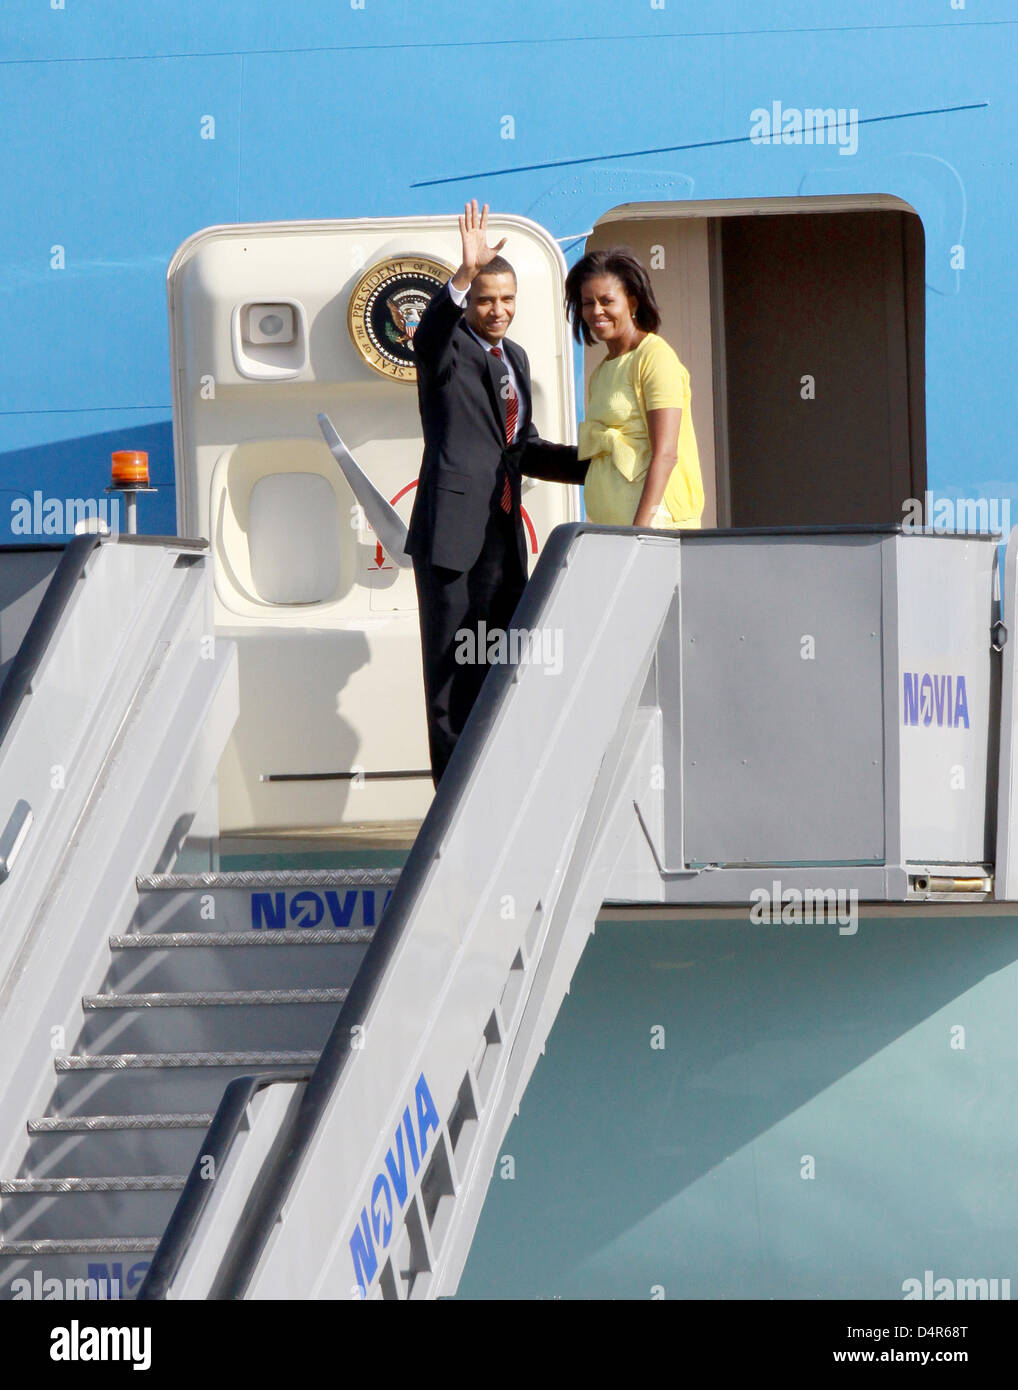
(386, 307)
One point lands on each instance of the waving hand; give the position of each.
(474, 237)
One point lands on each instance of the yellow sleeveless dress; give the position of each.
(614, 437)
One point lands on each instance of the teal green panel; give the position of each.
(829, 1117)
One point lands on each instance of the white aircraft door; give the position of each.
(271, 323)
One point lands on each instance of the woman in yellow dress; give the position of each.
(638, 433)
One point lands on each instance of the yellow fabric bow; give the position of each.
(626, 451)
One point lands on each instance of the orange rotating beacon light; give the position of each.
(130, 476)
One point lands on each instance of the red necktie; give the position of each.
(511, 412)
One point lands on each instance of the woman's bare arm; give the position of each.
(663, 430)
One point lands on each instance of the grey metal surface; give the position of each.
(105, 1146)
(269, 878)
(183, 961)
(92, 1124)
(188, 1081)
(30, 1186)
(213, 998)
(179, 1014)
(24, 575)
(96, 1267)
(876, 883)
(782, 757)
(123, 1207)
(113, 1245)
(307, 901)
(282, 1020)
(252, 1123)
(124, 1151)
(277, 940)
(13, 836)
(160, 1061)
(115, 742)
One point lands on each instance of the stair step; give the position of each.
(282, 959)
(263, 899)
(268, 878)
(213, 998)
(159, 1182)
(191, 999)
(249, 981)
(118, 1061)
(210, 1020)
(350, 936)
(106, 1084)
(97, 1145)
(59, 1208)
(90, 1245)
(91, 1124)
(56, 1268)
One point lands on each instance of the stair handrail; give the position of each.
(52, 606)
(197, 1191)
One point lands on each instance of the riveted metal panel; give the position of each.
(782, 700)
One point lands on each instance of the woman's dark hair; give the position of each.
(620, 262)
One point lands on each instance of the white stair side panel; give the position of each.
(1006, 873)
(172, 712)
(568, 932)
(504, 846)
(268, 1114)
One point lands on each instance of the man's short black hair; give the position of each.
(498, 265)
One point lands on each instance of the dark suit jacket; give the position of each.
(463, 410)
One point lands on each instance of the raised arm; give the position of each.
(439, 320)
(435, 330)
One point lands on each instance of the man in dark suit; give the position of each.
(466, 533)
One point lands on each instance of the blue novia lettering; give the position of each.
(935, 699)
(275, 911)
(112, 1276)
(391, 1186)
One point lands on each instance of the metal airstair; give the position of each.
(369, 1180)
(134, 1158)
(195, 995)
(261, 1086)
(115, 707)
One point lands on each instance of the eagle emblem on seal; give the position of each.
(386, 307)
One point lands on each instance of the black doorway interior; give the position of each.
(819, 357)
